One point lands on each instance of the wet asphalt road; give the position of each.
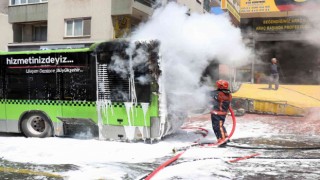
(279, 163)
(286, 154)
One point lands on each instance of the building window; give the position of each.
(21, 2)
(39, 33)
(77, 27)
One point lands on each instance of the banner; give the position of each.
(234, 10)
(257, 6)
(254, 6)
(280, 24)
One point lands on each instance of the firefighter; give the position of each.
(221, 99)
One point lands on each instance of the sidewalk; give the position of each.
(287, 100)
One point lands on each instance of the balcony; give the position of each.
(28, 12)
(139, 9)
(34, 32)
(127, 14)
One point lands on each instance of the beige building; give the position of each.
(6, 32)
(56, 24)
(199, 6)
(5, 27)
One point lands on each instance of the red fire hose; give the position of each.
(174, 158)
(234, 122)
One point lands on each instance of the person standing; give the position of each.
(221, 100)
(274, 74)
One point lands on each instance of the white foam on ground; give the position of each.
(109, 160)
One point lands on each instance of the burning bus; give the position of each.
(111, 90)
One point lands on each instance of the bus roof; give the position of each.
(97, 47)
(45, 51)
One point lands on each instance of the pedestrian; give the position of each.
(221, 99)
(274, 74)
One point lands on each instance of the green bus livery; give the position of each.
(109, 90)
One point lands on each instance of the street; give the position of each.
(284, 153)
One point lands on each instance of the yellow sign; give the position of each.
(280, 24)
(223, 4)
(254, 6)
(233, 11)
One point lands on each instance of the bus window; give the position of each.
(80, 85)
(77, 87)
(143, 92)
(119, 87)
(43, 87)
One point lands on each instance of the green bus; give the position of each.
(109, 90)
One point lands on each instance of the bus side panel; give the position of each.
(118, 111)
(31, 84)
(139, 115)
(48, 82)
(15, 108)
(3, 118)
(79, 109)
(79, 88)
(118, 115)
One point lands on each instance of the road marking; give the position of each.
(27, 171)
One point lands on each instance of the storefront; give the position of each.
(277, 29)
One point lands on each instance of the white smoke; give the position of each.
(145, 79)
(311, 34)
(140, 59)
(187, 45)
(120, 66)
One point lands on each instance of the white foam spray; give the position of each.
(130, 130)
(187, 45)
(145, 107)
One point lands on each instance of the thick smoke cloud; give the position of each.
(188, 44)
(311, 34)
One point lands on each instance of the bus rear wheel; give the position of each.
(36, 125)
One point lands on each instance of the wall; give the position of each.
(4, 6)
(6, 32)
(99, 11)
(193, 5)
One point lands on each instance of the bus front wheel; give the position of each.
(36, 125)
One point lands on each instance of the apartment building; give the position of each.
(56, 24)
(5, 27)
(199, 6)
(6, 32)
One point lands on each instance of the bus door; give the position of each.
(78, 93)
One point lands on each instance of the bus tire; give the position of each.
(36, 125)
